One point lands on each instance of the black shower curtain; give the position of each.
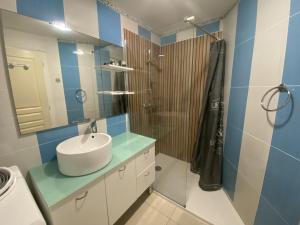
(207, 156)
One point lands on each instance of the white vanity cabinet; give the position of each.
(125, 184)
(106, 199)
(87, 207)
(120, 190)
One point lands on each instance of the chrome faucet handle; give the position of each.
(93, 126)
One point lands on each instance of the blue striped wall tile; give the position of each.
(57, 133)
(242, 64)
(244, 43)
(232, 145)
(116, 119)
(237, 107)
(267, 215)
(109, 23)
(295, 7)
(286, 133)
(169, 39)
(116, 129)
(211, 27)
(246, 20)
(48, 150)
(116, 125)
(281, 187)
(49, 139)
(292, 55)
(48, 10)
(71, 80)
(143, 32)
(229, 178)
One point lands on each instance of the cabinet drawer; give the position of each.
(145, 159)
(145, 179)
(88, 207)
(120, 190)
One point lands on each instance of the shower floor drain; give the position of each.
(158, 168)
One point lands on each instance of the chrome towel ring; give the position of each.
(80, 95)
(279, 88)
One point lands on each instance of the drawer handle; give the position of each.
(147, 152)
(122, 169)
(82, 197)
(147, 174)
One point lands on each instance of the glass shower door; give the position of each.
(159, 109)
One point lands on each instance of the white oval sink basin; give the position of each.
(84, 154)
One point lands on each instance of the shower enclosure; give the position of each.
(168, 83)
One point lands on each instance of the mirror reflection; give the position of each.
(59, 76)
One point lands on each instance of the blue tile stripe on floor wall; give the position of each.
(116, 125)
(48, 10)
(245, 33)
(280, 200)
(211, 27)
(109, 22)
(143, 32)
(169, 39)
(48, 140)
(71, 80)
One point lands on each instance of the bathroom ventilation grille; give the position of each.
(7, 179)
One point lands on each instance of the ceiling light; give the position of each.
(79, 52)
(60, 25)
(189, 18)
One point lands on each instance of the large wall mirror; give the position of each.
(59, 76)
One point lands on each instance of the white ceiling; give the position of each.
(166, 16)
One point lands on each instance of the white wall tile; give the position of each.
(84, 128)
(128, 24)
(86, 64)
(155, 38)
(271, 12)
(82, 16)
(10, 5)
(258, 122)
(101, 125)
(229, 30)
(268, 56)
(253, 160)
(25, 159)
(10, 140)
(246, 200)
(185, 34)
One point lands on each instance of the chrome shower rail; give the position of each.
(279, 88)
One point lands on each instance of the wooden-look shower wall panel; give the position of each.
(176, 94)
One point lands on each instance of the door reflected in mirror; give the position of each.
(56, 76)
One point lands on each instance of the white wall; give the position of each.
(228, 25)
(82, 17)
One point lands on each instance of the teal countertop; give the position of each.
(55, 187)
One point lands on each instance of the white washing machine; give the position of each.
(17, 206)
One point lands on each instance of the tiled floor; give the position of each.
(157, 210)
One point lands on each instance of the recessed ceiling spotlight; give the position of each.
(60, 25)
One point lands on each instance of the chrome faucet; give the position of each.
(93, 126)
